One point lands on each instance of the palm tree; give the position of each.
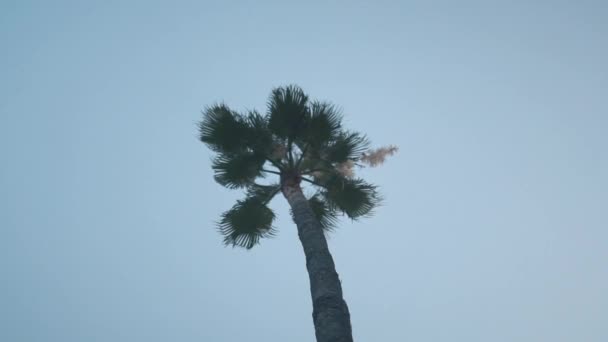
(298, 140)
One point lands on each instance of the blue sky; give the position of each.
(494, 224)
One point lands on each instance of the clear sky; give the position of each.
(495, 224)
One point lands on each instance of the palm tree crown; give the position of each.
(298, 139)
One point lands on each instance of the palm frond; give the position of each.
(237, 170)
(246, 223)
(322, 125)
(263, 193)
(287, 109)
(347, 146)
(258, 136)
(313, 162)
(327, 216)
(352, 196)
(223, 129)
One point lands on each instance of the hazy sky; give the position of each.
(495, 224)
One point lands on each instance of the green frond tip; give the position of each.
(347, 146)
(323, 125)
(287, 110)
(258, 136)
(223, 130)
(237, 170)
(353, 197)
(246, 223)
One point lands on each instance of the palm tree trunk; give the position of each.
(330, 312)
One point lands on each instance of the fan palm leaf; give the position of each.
(223, 130)
(246, 223)
(353, 197)
(287, 110)
(237, 170)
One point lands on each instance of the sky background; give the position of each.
(494, 226)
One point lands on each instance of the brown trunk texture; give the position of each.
(330, 312)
